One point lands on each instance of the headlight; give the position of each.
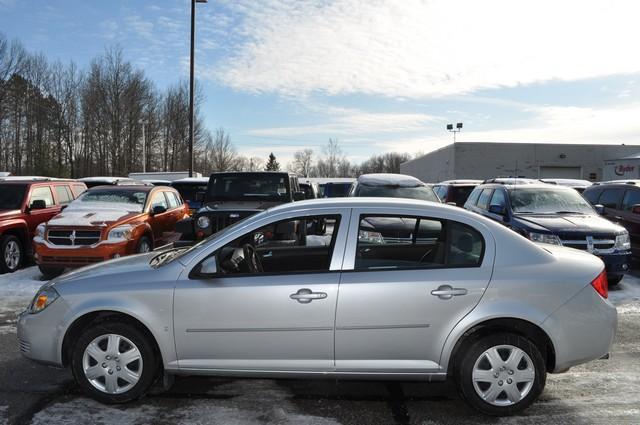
(203, 222)
(622, 242)
(370, 237)
(545, 238)
(40, 230)
(45, 296)
(120, 233)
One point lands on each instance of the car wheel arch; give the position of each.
(514, 325)
(20, 231)
(82, 322)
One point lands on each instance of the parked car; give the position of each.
(232, 196)
(511, 180)
(192, 190)
(392, 186)
(25, 203)
(463, 298)
(108, 222)
(620, 203)
(311, 189)
(109, 181)
(555, 215)
(577, 184)
(455, 191)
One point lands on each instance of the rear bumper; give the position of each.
(582, 329)
(46, 255)
(616, 263)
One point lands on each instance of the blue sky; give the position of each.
(282, 75)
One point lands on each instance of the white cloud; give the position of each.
(419, 48)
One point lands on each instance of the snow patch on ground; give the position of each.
(17, 289)
(3, 415)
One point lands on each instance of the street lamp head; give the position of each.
(201, 1)
(449, 126)
(459, 125)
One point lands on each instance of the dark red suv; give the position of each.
(24, 204)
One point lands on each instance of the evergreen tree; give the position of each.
(272, 164)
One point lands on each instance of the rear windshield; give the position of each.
(424, 193)
(11, 196)
(461, 193)
(336, 190)
(130, 200)
(256, 186)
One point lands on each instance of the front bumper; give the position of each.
(49, 255)
(617, 263)
(40, 335)
(582, 329)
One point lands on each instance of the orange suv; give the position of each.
(108, 222)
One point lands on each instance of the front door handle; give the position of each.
(446, 292)
(305, 296)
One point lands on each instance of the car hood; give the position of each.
(98, 217)
(569, 223)
(239, 205)
(127, 266)
(9, 214)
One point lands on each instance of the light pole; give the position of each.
(191, 82)
(458, 129)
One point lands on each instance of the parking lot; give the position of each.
(603, 391)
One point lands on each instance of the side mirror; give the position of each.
(635, 209)
(599, 208)
(298, 196)
(38, 204)
(497, 209)
(199, 197)
(62, 207)
(158, 209)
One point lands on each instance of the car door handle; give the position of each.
(445, 292)
(617, 217)
(305, 296)
(267, 254)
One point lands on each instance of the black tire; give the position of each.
(11, 242)
(142, 242)
(150, 362)
(50, 272)
(614, 279)
(474, 349)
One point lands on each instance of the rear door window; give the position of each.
(498, 198)
(592, 195)
(172, 199)
(611, 198)
(397, 243)
(63, 193)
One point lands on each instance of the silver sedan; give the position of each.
(343, 288)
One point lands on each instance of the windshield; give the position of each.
(548, 201)
(188, 190)
(11, 196)
(127, 199)
(424, 193)
(251, 186)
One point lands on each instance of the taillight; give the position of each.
(601, 285)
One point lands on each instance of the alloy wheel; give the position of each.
(503, 375)
(12, 255)
(112, 364)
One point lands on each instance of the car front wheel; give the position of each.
(114, 362)
(500, 374)
(11, 254)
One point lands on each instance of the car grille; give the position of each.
(71, 260)
(599, 243)
(221, 220)
(70, 237)
(25, 347)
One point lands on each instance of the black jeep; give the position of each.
(232, 196)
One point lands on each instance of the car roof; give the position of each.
(290, 174)
(194, 180)
(385, 179)
(618, 182)
(568, 182)
(356, 202)
(460, 182)
(32, 179)
(138, 187)
(539, 185)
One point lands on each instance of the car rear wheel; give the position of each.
(144, 245)
(11, 253)
(500, 374)
(50, 272)
(114, 362)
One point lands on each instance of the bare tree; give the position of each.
(220, 152)
(302, 163)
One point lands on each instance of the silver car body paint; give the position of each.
(379, 324)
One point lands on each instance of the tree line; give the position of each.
(57, 119)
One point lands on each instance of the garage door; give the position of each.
(560, 172)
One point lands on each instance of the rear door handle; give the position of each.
(446, 292)
(305, 296)
(267, 254)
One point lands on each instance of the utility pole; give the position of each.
(458, 129)
(144, 150)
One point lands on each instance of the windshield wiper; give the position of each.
(570, 212)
